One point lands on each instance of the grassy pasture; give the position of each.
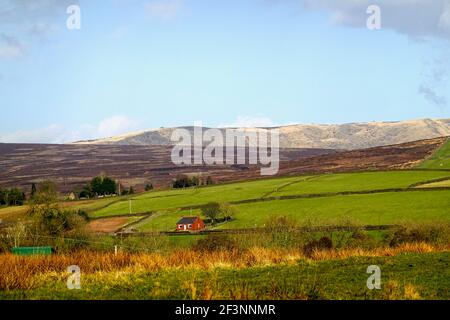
(440, 159)
(439, 184)
(374, 209)
(364, 181)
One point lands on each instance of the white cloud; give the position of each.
(249, 122)
(416, 18)
(116, 125)
(55, 133)
(163, 9)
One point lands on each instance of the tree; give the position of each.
(46, 193)
(33, 190)
(51, 219)
(149, 186)
(15, 197)
(96, 185)
(109, 185)
(86, 192)
(182, 181)
(12, 197)
(3, 199)
(131, 191)
(227, 211)
(103, 185)
(212, 211)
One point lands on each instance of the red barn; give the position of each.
(190, 224)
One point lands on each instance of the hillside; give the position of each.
(440, 159)
(70, 166)
(349, 136)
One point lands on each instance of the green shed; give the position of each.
(30, 251)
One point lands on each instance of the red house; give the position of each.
(190, 224)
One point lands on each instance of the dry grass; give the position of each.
(19, 272)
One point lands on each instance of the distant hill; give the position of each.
(350, 136)
(71, 166)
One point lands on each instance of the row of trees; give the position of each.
(104, 186)
(184, 181)
(12, 197)
(99, 186)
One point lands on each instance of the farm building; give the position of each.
(190, 224)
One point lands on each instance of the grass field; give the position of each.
(405, 276)
(375, 209)
(440, 159)
(365, 181)
(439, 184)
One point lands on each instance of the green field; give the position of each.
(439, 184)
(374, 209)
(406, 276)
(365, 181)
(440, 159)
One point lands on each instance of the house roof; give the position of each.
(187, 220)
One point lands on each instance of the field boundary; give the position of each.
(260, 230)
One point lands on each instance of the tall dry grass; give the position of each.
(18, 272)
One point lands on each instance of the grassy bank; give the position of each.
(415, 271)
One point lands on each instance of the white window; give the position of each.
(189, 226)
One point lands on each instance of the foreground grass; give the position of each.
(410, 272)
(364, 181)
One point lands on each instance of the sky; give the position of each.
(141, 64)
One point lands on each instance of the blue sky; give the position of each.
(143, 64)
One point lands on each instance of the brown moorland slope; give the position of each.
(70, 166)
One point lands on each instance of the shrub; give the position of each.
(324, 243)
(148, 187)
(429, 233)
(216, 243)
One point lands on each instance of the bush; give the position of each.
(361, 239)
(435, 234)
(216, 243)
(183, 181)
(324, 243)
